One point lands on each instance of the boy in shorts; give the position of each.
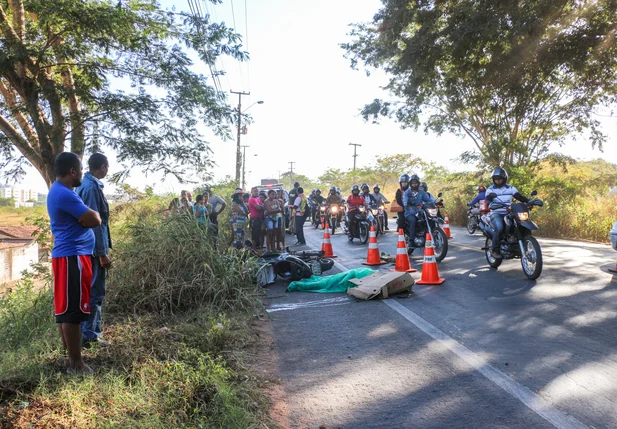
(71, 224)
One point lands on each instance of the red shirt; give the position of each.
(355, 201)
(254, 202)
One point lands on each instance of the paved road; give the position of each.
(487, 349)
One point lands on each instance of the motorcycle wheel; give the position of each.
(363, 233)
(493, 262)
(332, 226)
(471, 228)
(531, 261)
(440, 244)
(377, 229)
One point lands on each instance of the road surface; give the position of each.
(487, 349)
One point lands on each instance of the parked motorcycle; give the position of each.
(291, 266)
(360, 227)
(516, 240)
(428, 220)
(474, 216)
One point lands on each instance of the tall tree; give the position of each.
(83, 75)
(515, 77)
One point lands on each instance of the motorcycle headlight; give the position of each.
(323, 209)
(334, 209)
(381, 207)
(523, 216)
(432, 212)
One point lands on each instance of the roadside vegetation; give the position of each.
(178, 314)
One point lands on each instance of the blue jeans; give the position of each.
(412, 221)
(498, 227)
(92, 328)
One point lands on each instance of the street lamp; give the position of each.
(238, 146)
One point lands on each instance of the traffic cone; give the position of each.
(430, 274)
(373, 258)
(446, 227)
(326, 245)
(402, 264)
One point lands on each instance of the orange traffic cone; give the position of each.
(402, 264)
(373, 258)
(446, 227)
(430, 274)
(326, 245)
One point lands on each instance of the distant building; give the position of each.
(18, 249)
(21, 195)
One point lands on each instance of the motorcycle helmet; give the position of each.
(365, 187)
(404, 178)
(338, 189)
(313, 190)
(355, 188)
(318, 191)
(481, 189)
(424, 186)
(499, 173)
(376, 187)
(332, 189)
(414, 178)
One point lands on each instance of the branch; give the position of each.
(11, 100)
(20, 143)
(19, 22)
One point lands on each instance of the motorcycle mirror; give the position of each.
(534, 193)
(439, 195)
(493, 195)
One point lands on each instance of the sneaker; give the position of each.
(86, 344)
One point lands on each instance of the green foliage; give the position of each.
(7, 202)
(513, 79)
(71, 56)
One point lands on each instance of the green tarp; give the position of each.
(330, 284)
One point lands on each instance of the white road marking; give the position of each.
(321, 303)
(532, 400)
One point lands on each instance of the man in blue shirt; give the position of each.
(412, 198)
(91, 192)
(71, 224)
(481, 196)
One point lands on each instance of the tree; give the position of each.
(514, 78)
(102, 73)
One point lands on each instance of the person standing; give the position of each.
(256, 209)
(217, 206)
(91, 193)
(292, 213)
(301, 206)
(74, 244)
(239, 213)
(201, 208)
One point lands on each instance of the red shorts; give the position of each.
(72, 283)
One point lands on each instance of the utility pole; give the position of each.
(244, 164)
(238, 152)
(291, 173)
(355, 146)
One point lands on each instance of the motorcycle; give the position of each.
(428, 220)
(360, 227)
(332, 215)
(381, 219)
(320, 217)
(516, 240)
(474, 216)
(291, 266)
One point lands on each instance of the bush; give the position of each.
(167, 264)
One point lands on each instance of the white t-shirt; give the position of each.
(215, 201)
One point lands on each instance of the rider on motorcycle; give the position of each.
(316, 201)
(354, 202)
(381, 199)
(481, 196)
(504, 193)
(403, 182)
(332, 197)
(366, 193)
(424, 187)
(412, 198)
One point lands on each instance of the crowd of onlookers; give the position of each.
(266, 214)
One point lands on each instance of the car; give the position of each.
(613, 236)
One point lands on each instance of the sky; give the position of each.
(311, 98)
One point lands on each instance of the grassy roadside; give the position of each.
(179, 317)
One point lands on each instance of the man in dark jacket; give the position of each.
(403, 186)
(91, 192)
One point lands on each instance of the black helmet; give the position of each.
(404, 178)
(414, 177)
(376, 187)
(355, 188)
(332, 189)
(499, 173)
(365, 186)
(425, 186)
(318, 191)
